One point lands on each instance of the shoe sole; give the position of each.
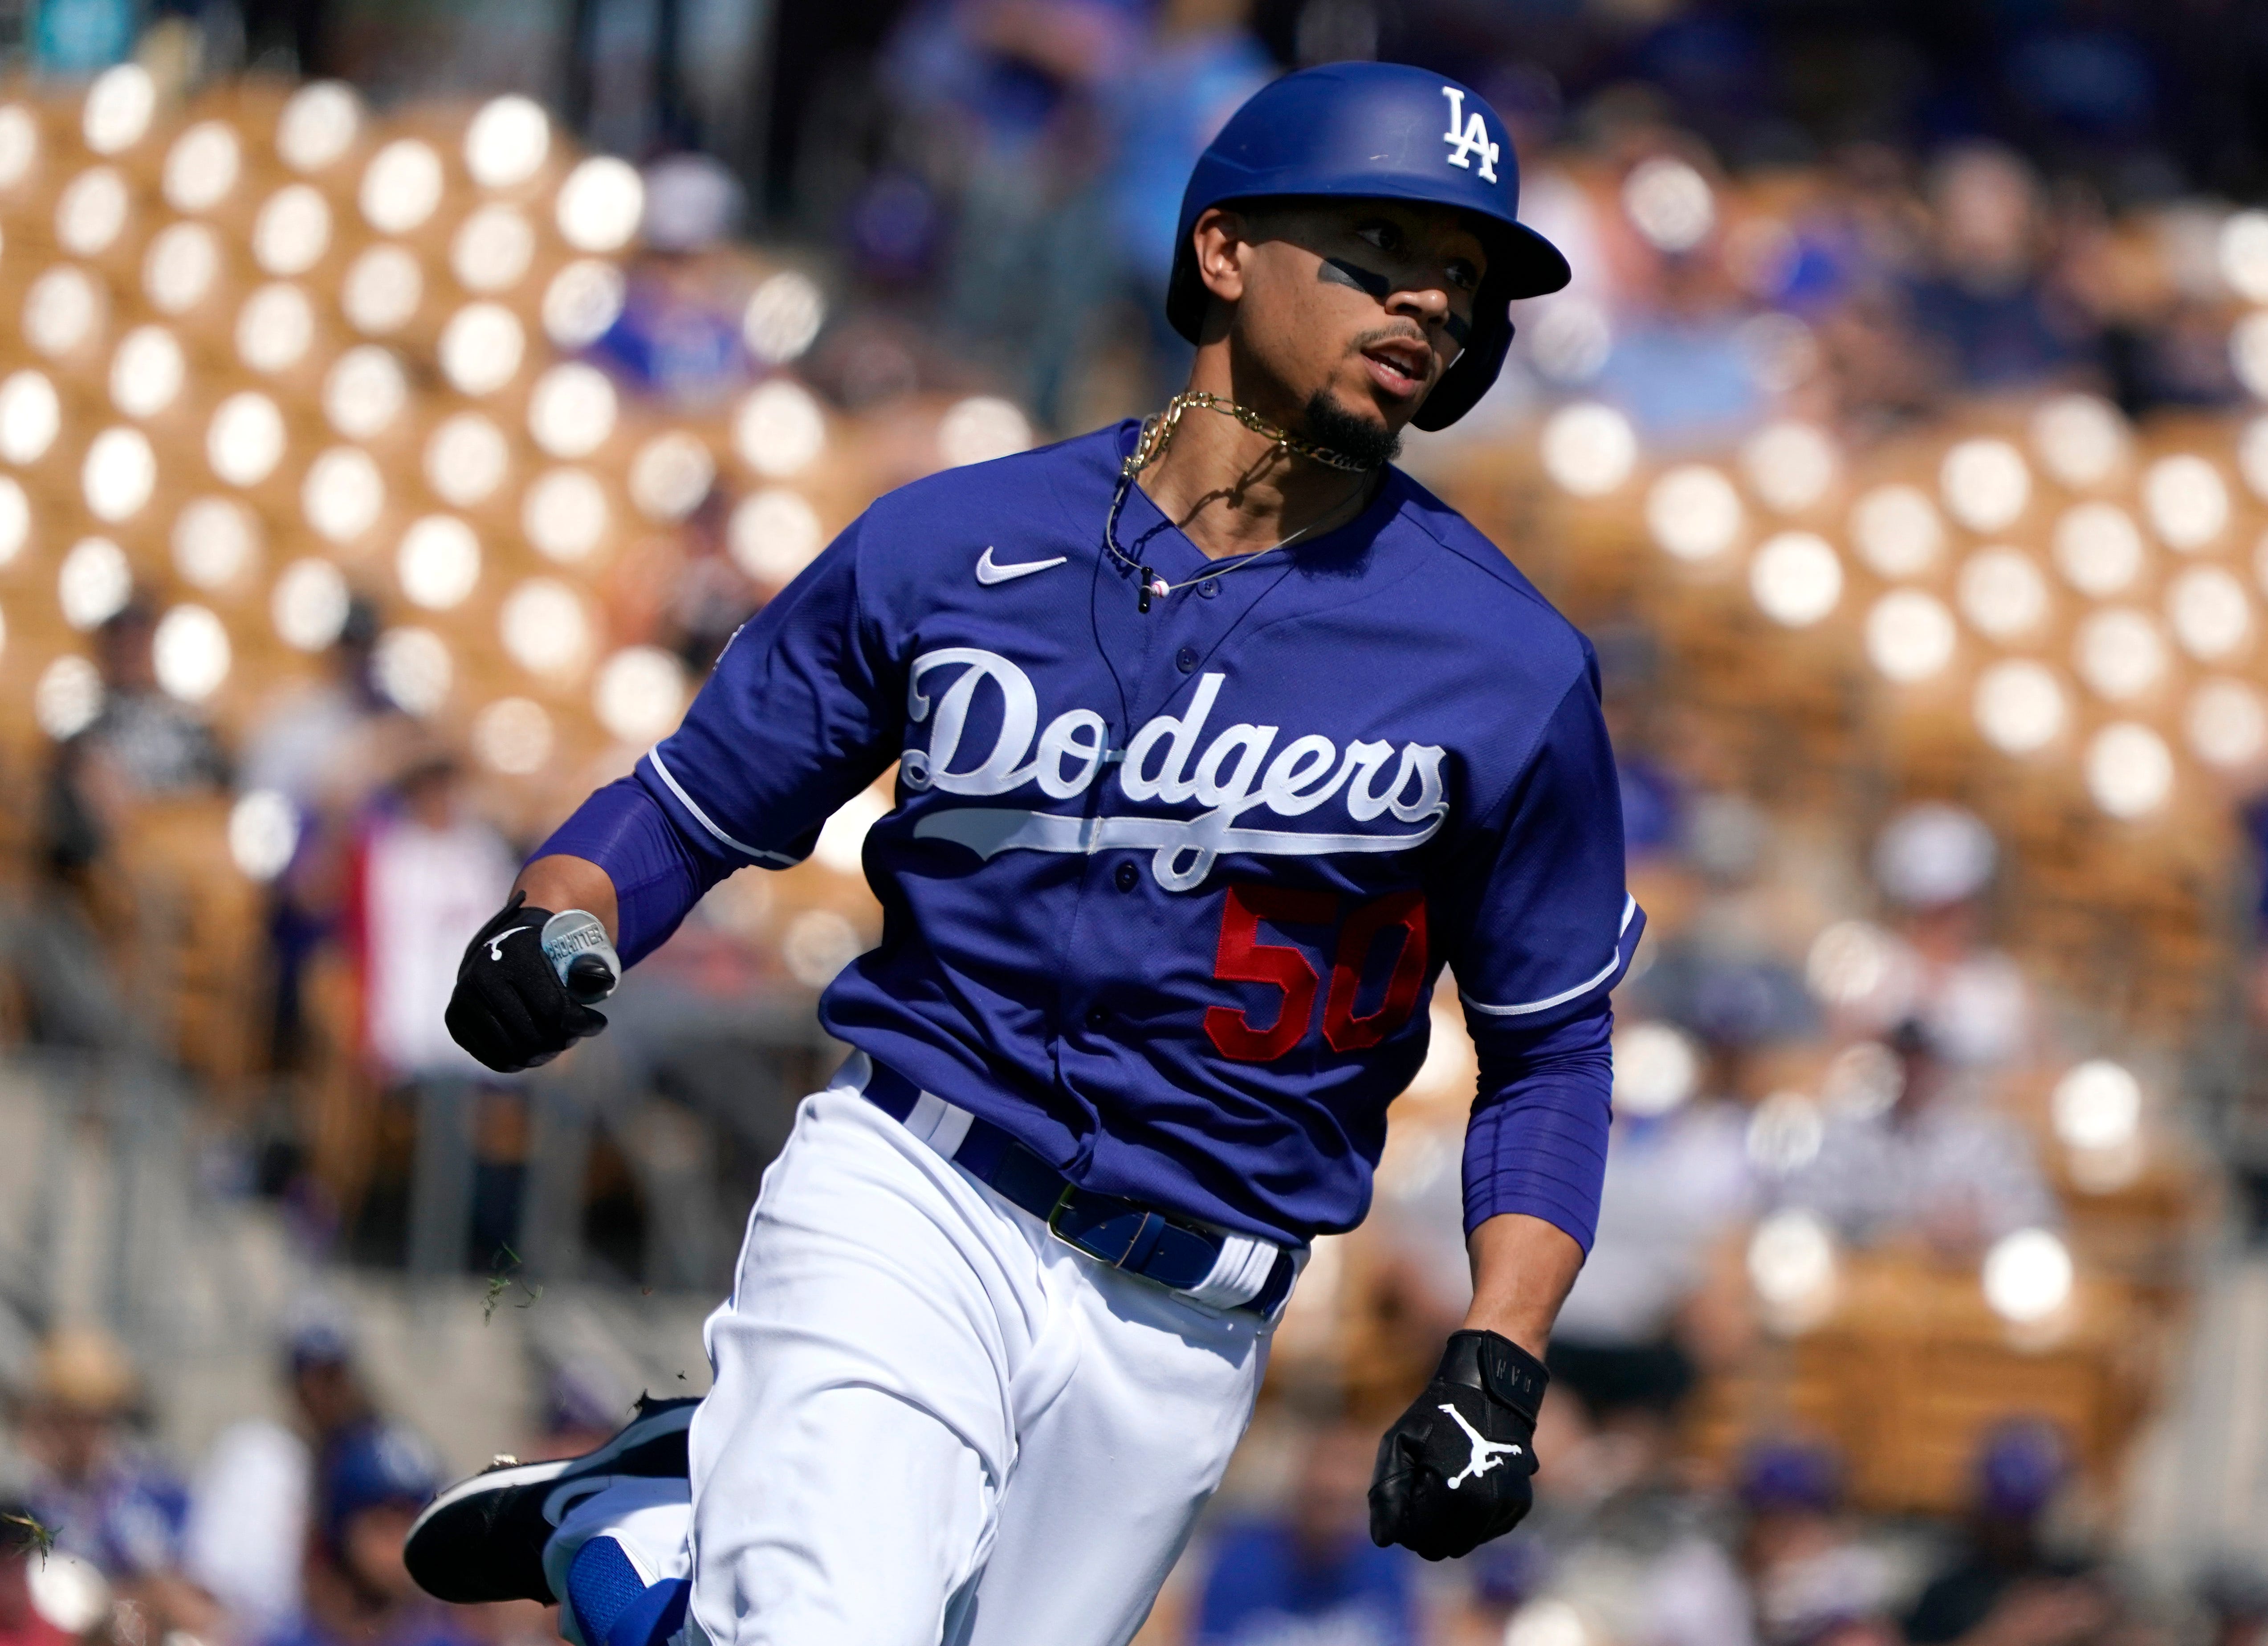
(483, 1538)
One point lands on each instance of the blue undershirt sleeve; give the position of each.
(1537, 1141)
(659, 871)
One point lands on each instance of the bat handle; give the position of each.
(576, 943)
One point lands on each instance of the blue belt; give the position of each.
(1125, 1234)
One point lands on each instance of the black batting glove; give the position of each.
(1453, 1471)
(510, 1009)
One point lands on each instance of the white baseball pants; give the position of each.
(934, 1422)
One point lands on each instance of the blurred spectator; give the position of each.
(1677, 1187)
(1311, 1572)
(1199, 65)
(102, 1495)
(249, 1515)
(1934, 865)
(1653, 791)
(1985, 301)
(1009, 95)
(313, 745)
(1622, 1540)
(369, 1489)
(678, 337)
(77, 37)
(2004, 1585)
(1857, 247)
(428, 874)
(1938, 1165)
(1810, 1575)
(325, 1385)
(142, 746)
(1684, 367)
(1719, 973)
(318, 747)
(713, 596)
(1652, 799)
(247, 1525)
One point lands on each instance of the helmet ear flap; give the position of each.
(1463, 384)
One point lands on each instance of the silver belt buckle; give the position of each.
(1141, 1228)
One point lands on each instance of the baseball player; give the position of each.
(1218, 739)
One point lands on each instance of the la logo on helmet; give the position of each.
(1468, 137)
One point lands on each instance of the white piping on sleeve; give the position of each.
(1527, 1008)
(702, 818)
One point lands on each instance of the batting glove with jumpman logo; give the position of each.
(512, 1009)
(1453, 1471)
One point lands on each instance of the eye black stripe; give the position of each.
(1339, 271)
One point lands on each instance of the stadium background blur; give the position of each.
(401, 404)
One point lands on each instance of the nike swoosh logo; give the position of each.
(495, 944)
(990, 571)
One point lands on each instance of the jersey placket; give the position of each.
(1156, 658)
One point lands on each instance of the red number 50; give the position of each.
(1244, 958)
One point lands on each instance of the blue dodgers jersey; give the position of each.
(1165, 894)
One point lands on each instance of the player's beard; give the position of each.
(1373, 444)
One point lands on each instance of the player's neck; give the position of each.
(1233, 491)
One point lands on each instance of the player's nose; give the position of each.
(1426, 303)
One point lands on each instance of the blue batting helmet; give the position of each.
(1380, 131)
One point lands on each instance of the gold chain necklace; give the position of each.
(1158, 433)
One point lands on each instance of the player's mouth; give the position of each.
(1400, 367)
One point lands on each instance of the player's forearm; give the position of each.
(1535, 1155)
(1522, 1268)
(560, 881)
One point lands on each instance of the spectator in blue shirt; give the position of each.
(370, 1480)
(1310, 1572)
(105, 1500)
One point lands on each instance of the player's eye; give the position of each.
(1463, 274)
(1384, 235)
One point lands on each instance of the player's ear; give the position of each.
(1222, 244)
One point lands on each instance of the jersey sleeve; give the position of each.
(1548, 928)
(802, 711)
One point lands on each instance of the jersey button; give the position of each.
(1096, 1018)
(1209, 588)
(1186, 659)
(1126, 876)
